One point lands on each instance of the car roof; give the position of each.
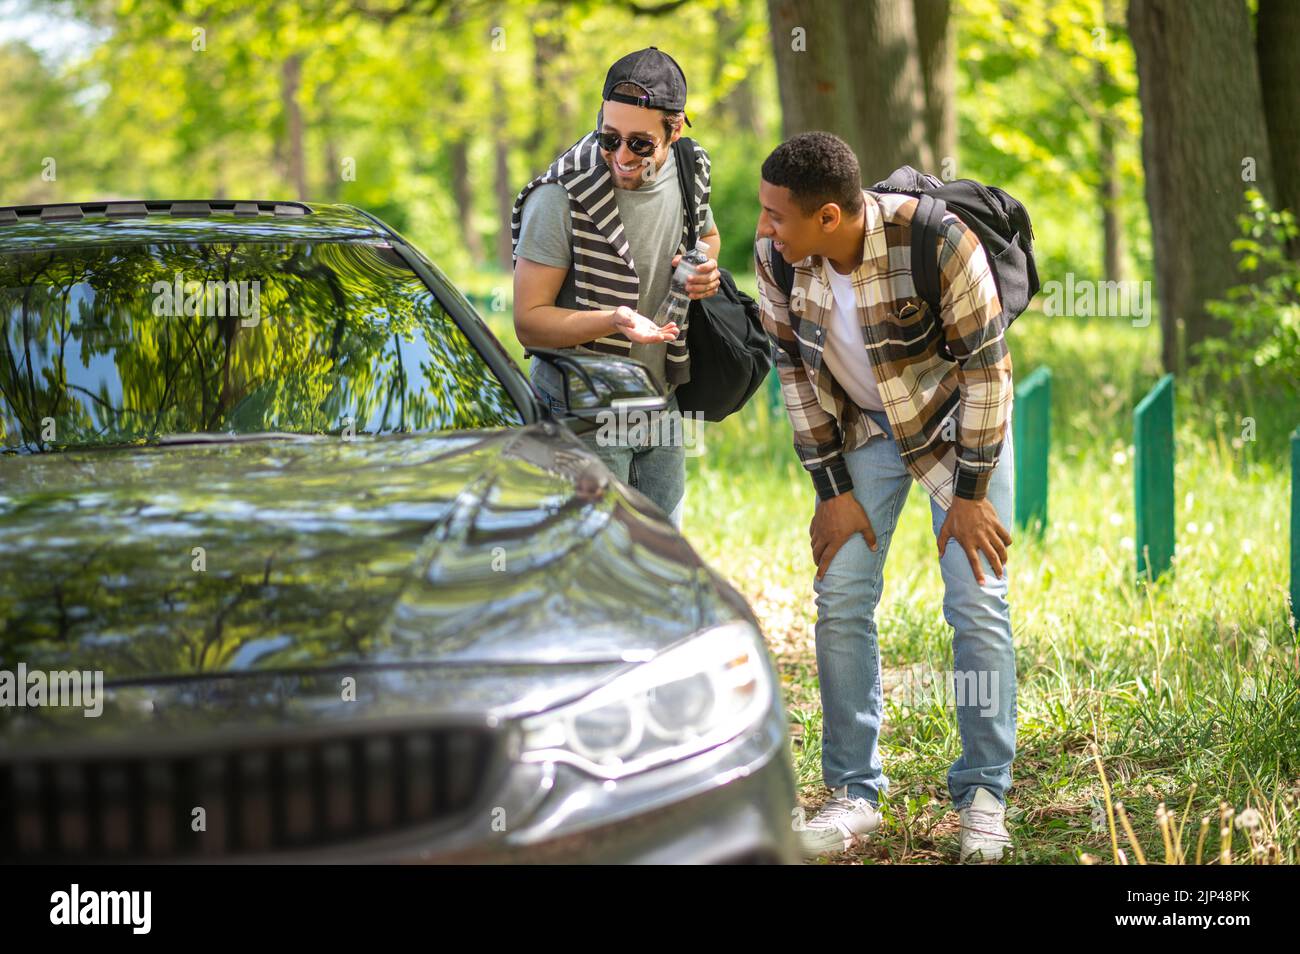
(146, 221)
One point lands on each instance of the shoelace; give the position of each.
(835, 810)
(986, 823)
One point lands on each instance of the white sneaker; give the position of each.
(983, 828)
(841, 822)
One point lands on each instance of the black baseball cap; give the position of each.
(655, 72)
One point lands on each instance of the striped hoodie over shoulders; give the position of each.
(604, 273)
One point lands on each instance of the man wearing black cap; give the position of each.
(596, 239)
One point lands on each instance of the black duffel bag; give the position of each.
(730, 353)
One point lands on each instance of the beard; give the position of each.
(646, 169)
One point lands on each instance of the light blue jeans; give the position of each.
(657, 470)
(848, 647)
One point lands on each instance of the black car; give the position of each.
(295, 566)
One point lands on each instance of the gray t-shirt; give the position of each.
(652, 221)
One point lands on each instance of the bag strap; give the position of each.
(688, 194)
(926, 224)
(782, 272)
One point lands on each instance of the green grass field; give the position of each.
(1189, 688)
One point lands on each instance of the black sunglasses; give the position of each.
(640, 147)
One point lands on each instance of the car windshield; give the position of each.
(127, 343)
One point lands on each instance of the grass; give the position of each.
(1189, 688)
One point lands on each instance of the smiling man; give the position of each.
(880, 393)
(597, 237)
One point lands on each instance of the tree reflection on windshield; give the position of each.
(117, 344)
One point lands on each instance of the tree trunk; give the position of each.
(462, 190)
(1203, 134)
(739, 104)
(505, 188)
(333, 168)
(1112, 233)
(854, 70)
(332, 180)
(814, 77)
(890, 102)
(1278, 46)
(553, 119)
(296, 167)
(936, 49)
(462, 185)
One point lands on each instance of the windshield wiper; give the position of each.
(206, 437)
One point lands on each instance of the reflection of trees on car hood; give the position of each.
(462, 547)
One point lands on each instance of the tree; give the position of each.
(936, 48)
(737, 98)
(1203, 143)
(853, 68)
(292, 150)
(1278, 45)
(1049, 111)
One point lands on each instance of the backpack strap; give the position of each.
(688, 194)
(927, 221)
(782, 272)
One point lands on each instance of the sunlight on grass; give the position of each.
(1190, 681)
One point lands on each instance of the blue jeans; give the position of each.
(657, 470)
(848, 648)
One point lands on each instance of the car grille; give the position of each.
(262, 798)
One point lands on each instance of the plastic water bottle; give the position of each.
(677, 303)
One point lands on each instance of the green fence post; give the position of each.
(1295, 527)
(1032, 437)
(1153, 440)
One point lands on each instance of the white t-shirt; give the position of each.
(845, 351)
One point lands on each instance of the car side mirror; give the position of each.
(595, 385)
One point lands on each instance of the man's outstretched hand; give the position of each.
(975, 526)
(637, 327)
(833, 522)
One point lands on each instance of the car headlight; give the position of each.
(687, 700)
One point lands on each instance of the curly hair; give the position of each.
(817, 167)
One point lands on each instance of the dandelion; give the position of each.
(1116, 520)
(1126, 543)
(1249, 818)
(1192, 529)
(1209, 528)
(1119, 458)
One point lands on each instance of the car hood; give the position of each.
(490, 553)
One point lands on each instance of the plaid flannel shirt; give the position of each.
(948, 416)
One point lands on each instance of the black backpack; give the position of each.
(730, 351)
(999, 221)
